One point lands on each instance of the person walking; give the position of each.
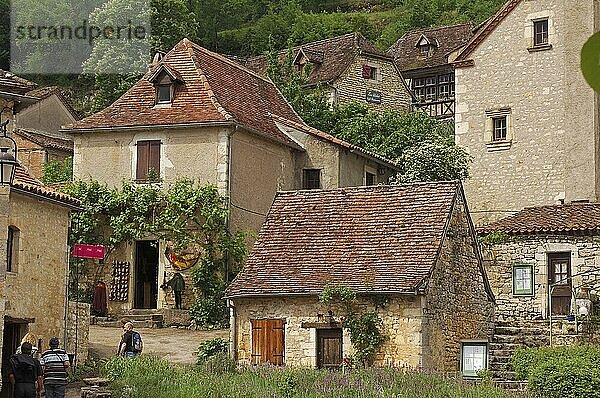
(178, 285)
(131, 342)
(31, 339)
(25, 374)
(55, 363)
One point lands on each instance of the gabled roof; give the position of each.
(378, 239)
(485, 30)
(45, 140)
(214, 90)
(45, 92)
(575, 218)
(446, 39)
(28, 185)
(11, 83)
(330, 57)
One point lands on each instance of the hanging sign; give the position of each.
(81, 250)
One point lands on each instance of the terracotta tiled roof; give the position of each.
(330, 57)
(328, 137)
(45, 140)
(556, 219)
(372, 239)
(25, 182)
(214, 90)
(484, 31)
(446, 39)
(9, 82)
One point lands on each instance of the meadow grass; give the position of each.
(151, 377)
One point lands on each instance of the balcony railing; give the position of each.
(440, 109)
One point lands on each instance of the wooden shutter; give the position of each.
(268, 341)
(143, 154)
(366, 71)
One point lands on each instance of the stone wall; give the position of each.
(458, 307)
(551, 151)
(402, 319)
(501, 257)
(78, 330)
(352, 87)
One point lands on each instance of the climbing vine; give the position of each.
(365, 328)
(188, 216)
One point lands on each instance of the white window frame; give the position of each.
(467, 364)
(523, 292)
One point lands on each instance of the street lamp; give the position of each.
(8, 163)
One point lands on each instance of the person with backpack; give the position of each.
(55, 363)
(131, 343)
(25, 374)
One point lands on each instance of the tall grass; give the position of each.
(151, 377)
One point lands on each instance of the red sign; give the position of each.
(88, 251)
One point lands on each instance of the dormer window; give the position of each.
(426, 46)
(425, 49)
(164, 93)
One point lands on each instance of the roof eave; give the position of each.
(71, 130)
(414, 292)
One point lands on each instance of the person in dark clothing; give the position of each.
(128, 342)
(55, 363)
(178, 285)
(25, 374)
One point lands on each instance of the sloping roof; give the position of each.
(446, 40)
(11, 83)
(328, 137)
(26, 183)
(214, 90)
(381, 239)
(484, 31)
(330, 57)
(555, 219)
(45, 92)
(45, 140)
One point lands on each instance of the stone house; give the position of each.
(350, 69)
(524, 111)
(199, 115)
(423, 59)
(413, 244)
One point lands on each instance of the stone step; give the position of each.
(520, 331)
(529, 341)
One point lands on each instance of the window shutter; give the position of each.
(154, 157)
(142, 160)
(267, 341)
(258, 341)
(276, 337)
(366, 71)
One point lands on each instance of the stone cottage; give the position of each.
(413, 244)
(423, 59)
(524, 111)
(199, 115)
(350, 69)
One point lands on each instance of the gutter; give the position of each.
(46, 198)
(146, 127)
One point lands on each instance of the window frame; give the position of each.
(473, 343)
(12, 248)
(503, 128)
(169, 87)
(151, 159)
(492, 141)
(538, 37)
(523, 292)
(306, 179)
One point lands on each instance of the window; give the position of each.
(370, 179)
(12, 249)
(163, 94)
(523, 279)
(540, 33)
(425, 49)
(369, 72)
(268, 338)
(499, 128)
(473, 358)
(311, 179)
(148, 161)
(435, 87)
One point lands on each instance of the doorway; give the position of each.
(329, 348)
(559, 275)
(146, 274)
(14, 330)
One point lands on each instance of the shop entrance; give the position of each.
(146, 274)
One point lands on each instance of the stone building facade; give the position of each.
(439, 308)
(221, 124)
(524, 111)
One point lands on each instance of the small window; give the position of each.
(268, 339)
(12, 249)
(148, 161)
(370, 179)
(425, 49)
(163, 94)
(473, 358)
(500, 128)
(523, 279)
(311, 179)
(540, 33)
(369, 72)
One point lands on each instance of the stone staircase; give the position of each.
(140, 319)
(508, 337)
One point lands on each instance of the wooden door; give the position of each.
(268, 336)
(559, 275)
(329, 348)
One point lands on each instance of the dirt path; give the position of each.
(174, 345)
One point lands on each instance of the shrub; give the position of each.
(210, 348)
(565, 372)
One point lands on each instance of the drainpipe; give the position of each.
(228, 222)
(232, 330)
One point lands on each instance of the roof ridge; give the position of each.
(370, 187)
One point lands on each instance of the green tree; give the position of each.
(58, 171)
